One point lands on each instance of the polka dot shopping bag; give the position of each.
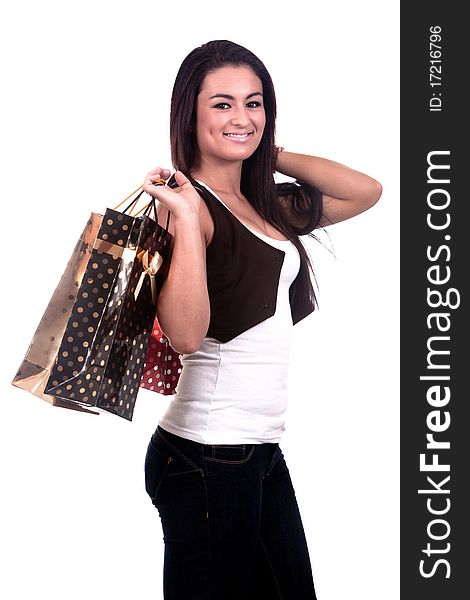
(89, 350)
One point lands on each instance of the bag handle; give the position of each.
(145, 209)
(127, 198)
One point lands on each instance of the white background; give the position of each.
(85, 110)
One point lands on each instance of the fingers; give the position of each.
(177, 200)
(181, 179)
(154, 184)
(159, 172)
(163, 194)
(155, 177)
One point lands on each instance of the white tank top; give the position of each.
(236, 392)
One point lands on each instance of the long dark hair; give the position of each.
(273, 202)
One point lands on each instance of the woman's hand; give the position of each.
(181, 201)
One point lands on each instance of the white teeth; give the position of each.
(237, 135)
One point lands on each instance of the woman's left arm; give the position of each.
(346, 192)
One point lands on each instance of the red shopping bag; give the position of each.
(162, 364)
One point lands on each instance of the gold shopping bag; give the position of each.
(41, 354)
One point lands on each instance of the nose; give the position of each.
(240, 117)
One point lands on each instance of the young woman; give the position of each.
(239, 279)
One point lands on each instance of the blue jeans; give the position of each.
(231, 525)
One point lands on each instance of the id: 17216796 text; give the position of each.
(435, 68)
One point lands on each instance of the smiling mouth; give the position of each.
(238, 136)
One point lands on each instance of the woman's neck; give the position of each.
(223, 178)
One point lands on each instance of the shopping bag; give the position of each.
(36, 367)
(140, 259)
(163, 366)
(103, 349)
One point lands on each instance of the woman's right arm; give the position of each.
(183, 308)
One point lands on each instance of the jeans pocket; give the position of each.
(165, 461)
(157, 462)
(232, 455)
(277, 464)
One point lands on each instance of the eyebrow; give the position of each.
(229, 97)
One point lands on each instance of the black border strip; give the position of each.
(434, 533)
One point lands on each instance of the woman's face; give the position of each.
(230, 115)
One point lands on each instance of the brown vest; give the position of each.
(243, 276)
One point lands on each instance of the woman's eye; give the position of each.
(226, 106)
